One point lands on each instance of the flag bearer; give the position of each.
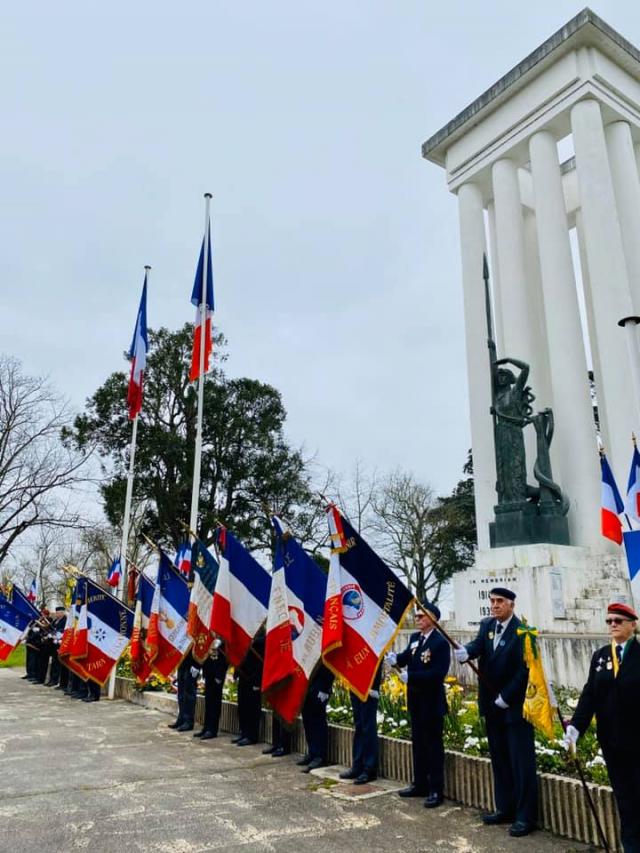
(314, 719)
(364, 763)
(187, 683)
(249, 696)
(214, 670)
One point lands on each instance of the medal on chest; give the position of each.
(425, 657)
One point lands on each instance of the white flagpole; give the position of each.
(124, 542)
(195, 493)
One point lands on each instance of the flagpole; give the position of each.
(629, 325)
(195, 493)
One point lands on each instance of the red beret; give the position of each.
(622, 610)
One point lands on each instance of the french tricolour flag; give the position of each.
(141, 658)
(64, 649)
(205, 575)
(365, 605)
(167, 638)
(294, 625)
(16, 597)
(201, 304)
(241, 597)
(612, 504)
(33, 591)
(114, 573)
(182, 560)
(138, 356)
(632, 503)
(13, 624)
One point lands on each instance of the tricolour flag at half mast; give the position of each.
(294, 625)
(33, 591)
(197, 300)
(611, 504)
(205, 575)
(114, 573)
(141, 658)
(365, 605)
(13, 624)
(138, 356)
(241, 597)
(167, 638)
(632, 503)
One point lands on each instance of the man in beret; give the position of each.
(426, 659)
(501, 693)
(612, 695)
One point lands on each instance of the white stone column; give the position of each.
(473, 246)
(537, 323)
(610, 292)
(575, 438)
(495, 276)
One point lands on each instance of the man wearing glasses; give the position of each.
(612, 694)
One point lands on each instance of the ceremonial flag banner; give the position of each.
(138, 356)
(16, 597)
(13, 624)
(632, 550)
(64, 650)
(241, 597)
(114, 573)
(33, 591)
(365, 605)
(197, 300)
(294, 625)
(205, 575)
(540, 702)
(141, 658)
(612, 504)
(632, 503)
(167, 638)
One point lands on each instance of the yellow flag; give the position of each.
(539, 703)
(68, 595)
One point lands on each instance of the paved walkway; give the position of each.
(110, 777)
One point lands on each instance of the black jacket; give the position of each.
(502, 671)
(614, 701)
(427, 664)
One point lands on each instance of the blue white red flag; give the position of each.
(33, 591)
(141, 657)
(197, 300)
(632, 551)
(16, 597)
(13, 624)
(114, 574)
(294, 625)
(138, 356)
(241, 597)
(632, 503)
(205, 575)
(612, 504)
(182, 560)
(365, 605)
(167, 638)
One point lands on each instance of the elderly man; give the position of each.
(612, 695)
(501, 693)
(426, 659)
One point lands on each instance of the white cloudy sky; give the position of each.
(336, 260)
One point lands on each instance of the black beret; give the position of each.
(60, 608)
(503, 592)
(432, 609)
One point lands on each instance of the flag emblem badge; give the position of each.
(296, 619)
(352, 602)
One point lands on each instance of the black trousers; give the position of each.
(365, 736)
(63, 681)
(316, 729)
(624, 773)
(31, 662)
(186, 692)
(281, 736)
(42, 664)
(427, 745)
(513, 761)
(213, 684)
(54, 673)
(249, 709)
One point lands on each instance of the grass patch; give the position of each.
(16, 658)
(324, 783)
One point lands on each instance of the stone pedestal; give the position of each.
(560, 589)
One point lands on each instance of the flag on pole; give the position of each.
(205, 575)
(138, 356)
(64, 649)
(294, 625)
(540, 702)
(197, 300)
(141, 658)
(632, 503)
(13, 624)
(365, 605)
(167, 638)
(241, 597)
(182, 560)
(632, 551)
(16, 597)
(612, 504)
(114, 573)
(79, 647)
(33, 591)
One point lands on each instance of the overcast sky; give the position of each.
(336, 261)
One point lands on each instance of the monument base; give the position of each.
(560, 589)
(527, 524)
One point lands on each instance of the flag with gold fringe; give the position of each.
(540, 702)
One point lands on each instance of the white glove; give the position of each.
(256, 688)
(374, 694)
(323, 697)
(570, 739)
(461, 654)
(218, 680)
(391, 658)
(195, 672)
(216, 643)
(501, 703)
(404, 676)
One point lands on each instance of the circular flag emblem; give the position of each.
(352, 601)
(296, 620)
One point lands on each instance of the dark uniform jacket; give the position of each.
(502, 671)
(427, 663)
(614, 700)
(321, 681)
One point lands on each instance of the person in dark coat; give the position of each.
(59, 622)
(314, 720)
(612, 695)
(364, 763)
(501, 693)
(280, 740)
(187, 682)
(427, 659)
(249, 696)
(214, 670)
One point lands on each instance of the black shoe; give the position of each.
(493, 818)
(279, 752)
(23, 677)
(208, 735)
(185, 727)
(365, 777)
(268, 750)
(175, 725)
(432, 801)
(302, 762)
(58, 687)
(411, 791)
(199, 734)
(520, 828)
(314, 764)
(50, 684)
(90, 699)
(237, 739)
(351, 773)
(246, 741)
